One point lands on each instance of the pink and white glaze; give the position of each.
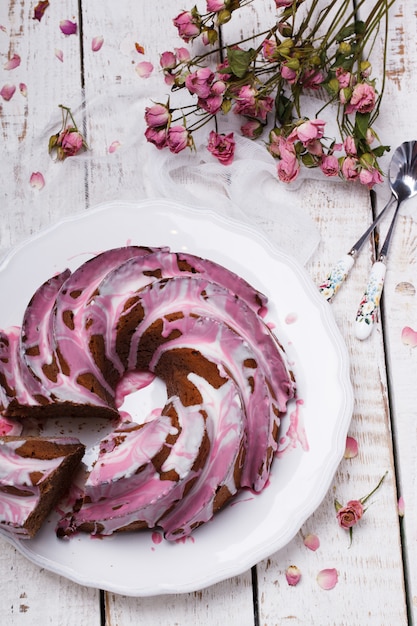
(96, 328)
(19, 495)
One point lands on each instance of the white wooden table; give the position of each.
(377, 575)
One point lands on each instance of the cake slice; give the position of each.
(35, 473)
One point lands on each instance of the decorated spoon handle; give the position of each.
(336, 277)
(368, 308)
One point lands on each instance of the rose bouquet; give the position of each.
(313, 47)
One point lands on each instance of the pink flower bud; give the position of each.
(188, 25)
(293, 575)
(177, 139)
(71, 142)
(157, 137)
(157, 115)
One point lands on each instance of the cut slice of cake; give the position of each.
(35, 473)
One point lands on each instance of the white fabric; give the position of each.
(248, 189)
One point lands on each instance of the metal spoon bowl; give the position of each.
(403, 183)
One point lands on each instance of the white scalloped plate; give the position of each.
(254, 527)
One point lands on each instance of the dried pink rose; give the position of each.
(96, 43)
(37, 180)
(12, 63)
(363, 99)
(349, 515)
(293, 575)
(351, 449)
(329, 165)
(7, 92)
(157, 116)
(188, 25)
(178, 139)
(409, 336)
(67, 27)
(157, 136)
(327, 578)
(40, 9)
(68, 142)
(312, 542)
(222, 147)
(144, 69)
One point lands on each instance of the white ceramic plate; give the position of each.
(254, 527)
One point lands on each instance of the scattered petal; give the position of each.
(293, 575)
(3, 28)
(7, 92)
(114, 146)
(312, 542)
(12, 63)
(327, 578)
(144, 69)
(67, 27)
(351, 449)
(139, 48)
(401, 506)
(37, 180)
(59, 54)
(96, 43)
(409, 337)
(23, 89)
(40, 9)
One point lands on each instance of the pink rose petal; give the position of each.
(3, 28)
(327, 578)
(67, 27)
(114, 146)
(401, 506)
(139, 48)
(12, 63)
(7, 92)
(23, 89)
(40, 9)
(409, 337)
(59, 54)
(312, 542)
(293, 575)
(96, 43)
(144, 69)
(37, 181)
(351, 449)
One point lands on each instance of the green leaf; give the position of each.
(361, 124)
(239, 60)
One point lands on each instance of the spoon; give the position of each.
(341, 269)
(403, 183)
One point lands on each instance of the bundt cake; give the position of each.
(190, 322)
(35, 473)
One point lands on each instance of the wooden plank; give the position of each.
(29, 594)
(367, 570)
(28, 121)
(400, 305)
